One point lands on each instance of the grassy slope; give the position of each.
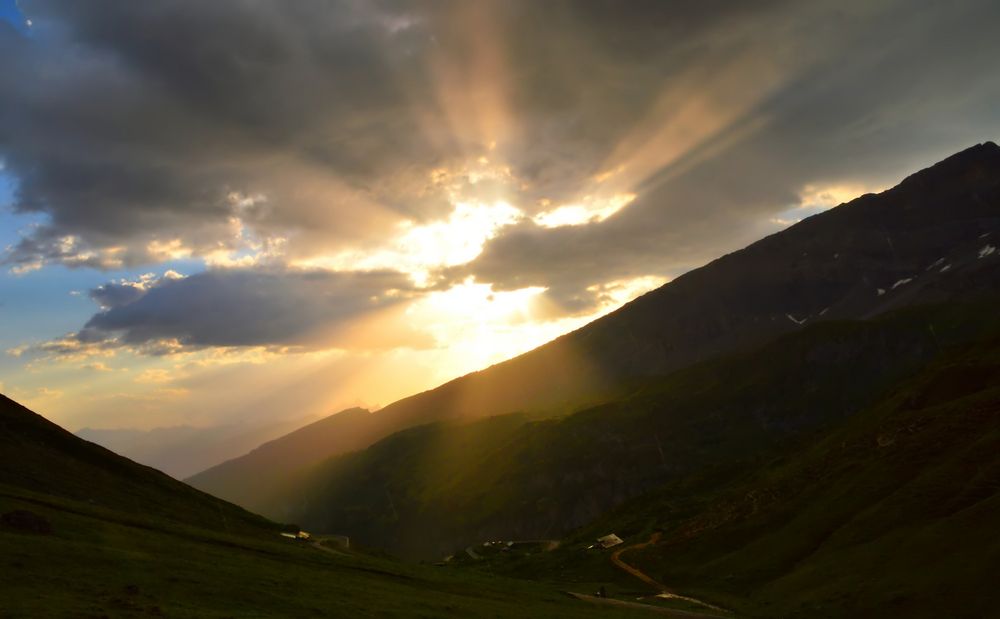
(897, 512)
(432, 489)
(129, 541)
(101, 563)
(38, 455)
(892, 514)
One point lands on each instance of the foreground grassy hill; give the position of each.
(105, 537)
(102, 563)
(38, 455)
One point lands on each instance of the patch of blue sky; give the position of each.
(11, 13)
(52, 301)
(11, 223)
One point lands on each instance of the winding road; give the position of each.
(664, 592)
(668, 612)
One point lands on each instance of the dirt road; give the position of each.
(667, 612)
(664, 592)
(616, 559)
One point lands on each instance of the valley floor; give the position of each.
(98, 563)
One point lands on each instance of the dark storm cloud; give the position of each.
(236, 307)
(127, 122)
(114, 294)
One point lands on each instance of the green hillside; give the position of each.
(100, 563)
(38, 455)
(105, 537)
(892, 514)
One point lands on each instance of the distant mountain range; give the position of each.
(181, 451)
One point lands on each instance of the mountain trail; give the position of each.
(664, 592)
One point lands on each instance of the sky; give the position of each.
(254, 210)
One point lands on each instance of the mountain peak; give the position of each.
(973, 164)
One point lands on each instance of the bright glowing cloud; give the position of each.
(829, 196)
(163, 251)
(589, 210)
(816, 198)
(480, 326)
(418, 249)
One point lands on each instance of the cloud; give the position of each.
(259, 134)
(123, 292)
(137, 134)
(239, 307)
(829, 100)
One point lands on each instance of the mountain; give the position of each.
(270, 465)
(87, 533)
(431, 490)
(846, 465)
(919, 242)
(181, 451)
(890, 513)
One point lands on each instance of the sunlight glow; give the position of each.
(815, 199)
(420, 248)
(164, 251)
(478, 326)
(589, 210)
(829, 196)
